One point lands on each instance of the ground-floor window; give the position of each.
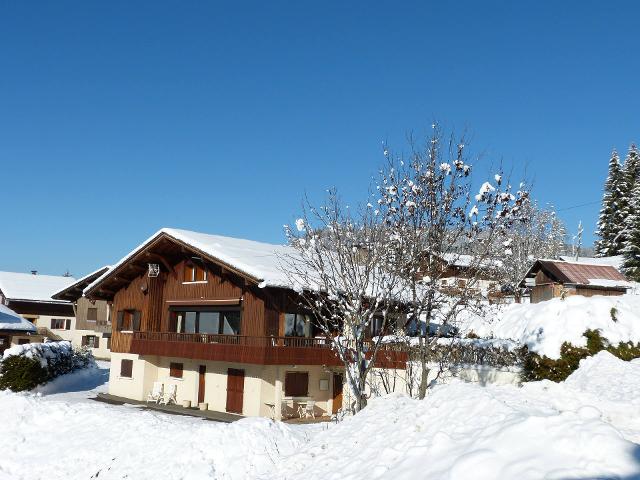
(175, 369)
(57, 324)
(91, 341)
(296, 384)
(205, 320)
(126, 368)
(23, 341)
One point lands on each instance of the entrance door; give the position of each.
(337, 392)
(235, 390)
(201, 374)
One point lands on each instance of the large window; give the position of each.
(194, 273)
(57, 323)
(205, 320)
(297, 325)
(296, 384)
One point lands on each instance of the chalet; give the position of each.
(460, 271)
(30, 296)
(549, 279)
(14, 330)
(214, 320)
(92, 327)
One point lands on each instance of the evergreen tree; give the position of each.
(631, 252)
(609, 221)
(630, 175)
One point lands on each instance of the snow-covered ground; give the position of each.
(587, 427)
(544, 326)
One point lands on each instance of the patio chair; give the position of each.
(169, 395)
(309, 409)
(156, 392)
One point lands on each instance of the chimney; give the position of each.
(34, 272)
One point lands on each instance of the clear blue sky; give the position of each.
(118, 118)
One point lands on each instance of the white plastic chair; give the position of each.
(169, 395)
(156, 392)
(309, 409)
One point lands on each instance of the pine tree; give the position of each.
(630, 175)
(631, 252)
(609, 222)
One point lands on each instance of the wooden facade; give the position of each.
(261, 339)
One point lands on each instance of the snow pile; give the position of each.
(464, 431)
(95, 440)
(45, 352)
(10, 320)
(544, 326)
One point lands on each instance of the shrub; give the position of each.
(20, 373)
(24, 367)
(536, 367)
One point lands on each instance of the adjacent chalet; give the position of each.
(214, 321)
(14, 330)
(460, 271)
(92, 327)
(30, 296)
(549, 279)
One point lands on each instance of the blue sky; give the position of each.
(118, 118)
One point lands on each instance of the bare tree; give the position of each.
(431, 216)
(343, 269)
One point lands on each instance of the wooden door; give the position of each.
(337, 393)
(235, 390)
(201, 374)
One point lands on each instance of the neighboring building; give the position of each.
(15, 330)
(213, 316)
(615, 261)
(458, 270)
(30, 296)
(92, 326)
(548, 279)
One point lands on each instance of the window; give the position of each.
(219, 321)
(57, 323)
(194, 273)
(91, 341)
(23, 341)
(297, 325)
(92, 314)
(376, 325)
(126, 368)
(175, 370)
(296, 384)
(128, 320)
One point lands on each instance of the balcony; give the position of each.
(246, 349)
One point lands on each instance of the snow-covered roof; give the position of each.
(10, 320)
(35, 288)
(615, 261)
(79, 285)
(463, 260)
(578, 273)
(257, 260)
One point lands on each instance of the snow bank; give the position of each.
(464, 431)
(42, 351)
(95, 440)
(544, 326)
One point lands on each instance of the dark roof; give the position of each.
(575, 273)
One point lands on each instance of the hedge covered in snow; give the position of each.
(24, 367)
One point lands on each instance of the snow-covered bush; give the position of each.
(538, 367)
(24, 367)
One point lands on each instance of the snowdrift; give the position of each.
(464, 431)
(545, 326)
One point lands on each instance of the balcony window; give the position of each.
(205, 320)
(297, 325)
(128, 320)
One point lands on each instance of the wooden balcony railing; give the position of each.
(244, 349)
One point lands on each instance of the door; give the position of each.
(337, 393)
(201, 374)
(235, 390)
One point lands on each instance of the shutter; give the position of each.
(84, 341)
(68, 324)
(53, 323)
(136, 320)
(120, 320)
(96, 342)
